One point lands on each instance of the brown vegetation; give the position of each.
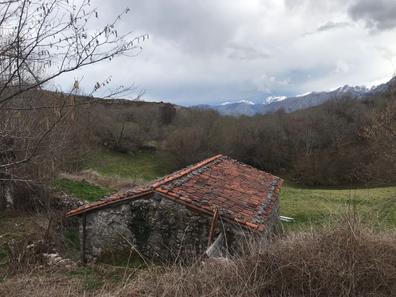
(41, 41)
(342, 142)
(342, 259)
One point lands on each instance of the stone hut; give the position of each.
(210, 207)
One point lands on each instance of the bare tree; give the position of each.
(381, 134)
(40, 41)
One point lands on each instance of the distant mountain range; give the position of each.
(290, 104)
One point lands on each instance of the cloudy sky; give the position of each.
(210, 51)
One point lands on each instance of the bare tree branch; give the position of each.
(40, 41)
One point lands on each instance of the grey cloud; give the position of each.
(195, 26)
(315, 5)
(332, 25)
(376, 14)
(243, 52)
(328, 27)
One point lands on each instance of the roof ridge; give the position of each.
(184, 171)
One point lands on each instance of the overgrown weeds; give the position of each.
(345, 259)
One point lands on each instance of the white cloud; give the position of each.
(215, 50)
(342, 67)
(269, 84)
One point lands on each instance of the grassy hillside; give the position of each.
(82, 189)
(104, 172)
(144, 166)
(310, 206)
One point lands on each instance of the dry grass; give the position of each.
(111, 182)
(43, 285)
(61, 282)
(346, 260)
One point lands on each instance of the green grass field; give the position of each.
(311, 207)
(82, 189)
(139, 166)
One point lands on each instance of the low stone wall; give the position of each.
(159, 229)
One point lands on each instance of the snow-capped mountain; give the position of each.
(311, 99)
(273, 99)
(241, 107)
(240, 101)
(289, 104)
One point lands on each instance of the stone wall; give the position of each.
(159, 229)
(273, 219)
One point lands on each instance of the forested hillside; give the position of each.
(341, 142)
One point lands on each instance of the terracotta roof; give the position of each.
(241, 193)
